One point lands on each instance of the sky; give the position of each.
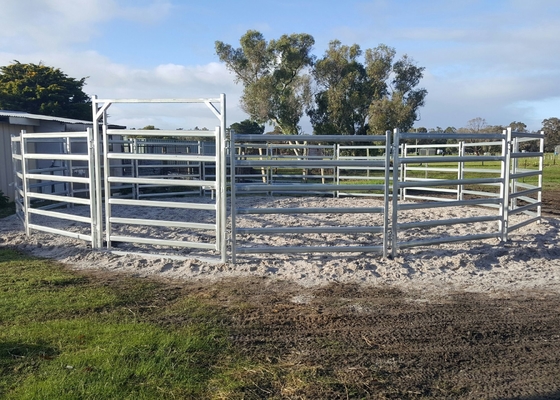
(492, 59)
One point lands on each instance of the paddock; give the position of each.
(224, 196)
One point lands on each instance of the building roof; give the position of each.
(22, 114)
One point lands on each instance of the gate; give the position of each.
(181, 219)
(55, 180)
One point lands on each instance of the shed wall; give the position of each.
(6, 168)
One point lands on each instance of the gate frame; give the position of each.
(100, 107)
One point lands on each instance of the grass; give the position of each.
(66, 336)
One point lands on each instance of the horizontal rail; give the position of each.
(51, 156)
(165, 204)
(160, 133)
(447, 159)
(527, 155)
(60, 232)
(51, 135)
(162, 242)
(450, 239)
(136, 101)
(160, 157)
(449, 203)
(525, 193)
(457, 136)
(317, 187)
(311, 210)
(309, 163)
(56, 214)
(310, 249)
(526, 174)
(515, 227)
(162, 182)
(312, 229)
(454, 221)
(162, 223)
(58, 178)
(307, 138)
(449, 182)
(62, 199)
(519, 210)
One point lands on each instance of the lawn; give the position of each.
(65, 335)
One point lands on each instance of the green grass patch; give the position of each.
(66, 335)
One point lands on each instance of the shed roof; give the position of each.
(22, 114)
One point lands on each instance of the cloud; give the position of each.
(49, 24)
(110, 80)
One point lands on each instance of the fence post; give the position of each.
(386, 192)
(540, 177)
(395, 194)
(461, 171)
(233, 203)
(26, 201)
(506, 167)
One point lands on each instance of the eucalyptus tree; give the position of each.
(396, 97)
(551, 128)
(344, 93)
(276, 85)
(370, 97)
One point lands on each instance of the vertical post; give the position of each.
(461, 172)
(95, 169)
(69, 171)
(337, 168)
(514, 170)
(540, 176)
(386, 193)
(91, 184)
(233, 203)
(223, 179)
(135, 170)
(505, 180)
(24, 182)
(396, 188)
(107, 184)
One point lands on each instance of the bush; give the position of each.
(4, 200)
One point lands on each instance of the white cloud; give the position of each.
(51, 24)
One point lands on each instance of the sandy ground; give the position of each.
(529, 260)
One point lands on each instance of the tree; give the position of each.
(247, 127)
(38, 89)
(396, 99)
(551, 128)
(342, 102)
(518, 127)
(356, 98)
(276, 89)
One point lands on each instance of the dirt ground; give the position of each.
(379, 342)
(359, 341)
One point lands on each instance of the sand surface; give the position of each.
(530, 259)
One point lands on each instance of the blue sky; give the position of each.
(494, 59)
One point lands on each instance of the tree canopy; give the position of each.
(39, 89)
(276, 87)
(247, 127)
(551, 128)
(355, 92)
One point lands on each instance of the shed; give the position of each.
(12, 123)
